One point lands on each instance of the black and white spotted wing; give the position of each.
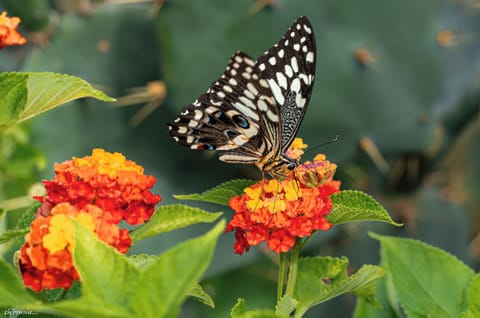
(253, 111)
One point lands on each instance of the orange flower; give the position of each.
(279, 211)
(107, 180)
(8, 31)
(98, 191)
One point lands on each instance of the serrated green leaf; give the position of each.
(200, 295)
(165, 284)
(171, 217)
(13, 234)
(473, 301)
(25, 220)
(25, 95)
(351, 205)
(286, 305)
(415, 268)
(261, 313)
(322, 278)
(220, 194)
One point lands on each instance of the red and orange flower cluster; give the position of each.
(8, 31)
(279, 211)
(98, 191)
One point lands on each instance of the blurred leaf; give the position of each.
(473, 301)
(221, 194)
(419, 289)
(351, 205)
(200, 295)
(322, 278)
(25, 95)
(12, 292)
(12, 234)
(171, 217)
(239, 308)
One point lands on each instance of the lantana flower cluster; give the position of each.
(98, 191)
(8, 31)
(280, 211)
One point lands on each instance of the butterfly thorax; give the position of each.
(277, 166)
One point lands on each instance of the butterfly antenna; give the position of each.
(337, 138)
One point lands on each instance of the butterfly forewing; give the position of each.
(289, 68)
(253, 111)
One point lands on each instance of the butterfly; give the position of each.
(252, 113)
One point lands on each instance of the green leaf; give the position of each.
(26, 219)
(240, 311)
(13, 234)
(221, 194)
(107, 280)
(473, 301)
(286, 305)
(350, 205)
(200, 295)
(322, 278)
(239, 308)
(12, 292)
(165, 284)
(25, 95)
(171, 217)
(415, 268)
(142, 260)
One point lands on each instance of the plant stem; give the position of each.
(292, 270)
(281, 275)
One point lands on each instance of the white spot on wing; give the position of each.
(246, 111)
(307, 29)
(273, 117)
(232, 82)
(309, 57)
(247, 102)
(262, 106)
(295, 86)
(262, 67)
(182, 130)
(277, 92)
(281, 53)
(294, 64)
(296, 47)
(227, 89)
(198, 114)
(288, 70)
(281, 79)
(252, 89)
(272, 60)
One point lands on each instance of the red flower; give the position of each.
(279, 211)
(8, 31)
(98, 191)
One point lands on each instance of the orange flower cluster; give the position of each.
(98, 191)
(279, 211)
(8, 31)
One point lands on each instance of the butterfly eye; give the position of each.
(241, 121)
(291, 165)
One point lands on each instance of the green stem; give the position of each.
(292, 270)
(281, 275)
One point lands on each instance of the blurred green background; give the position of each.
(398, 80)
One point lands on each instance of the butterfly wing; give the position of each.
(289, 69)
(237, 115)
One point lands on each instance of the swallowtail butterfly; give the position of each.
(252, 113)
